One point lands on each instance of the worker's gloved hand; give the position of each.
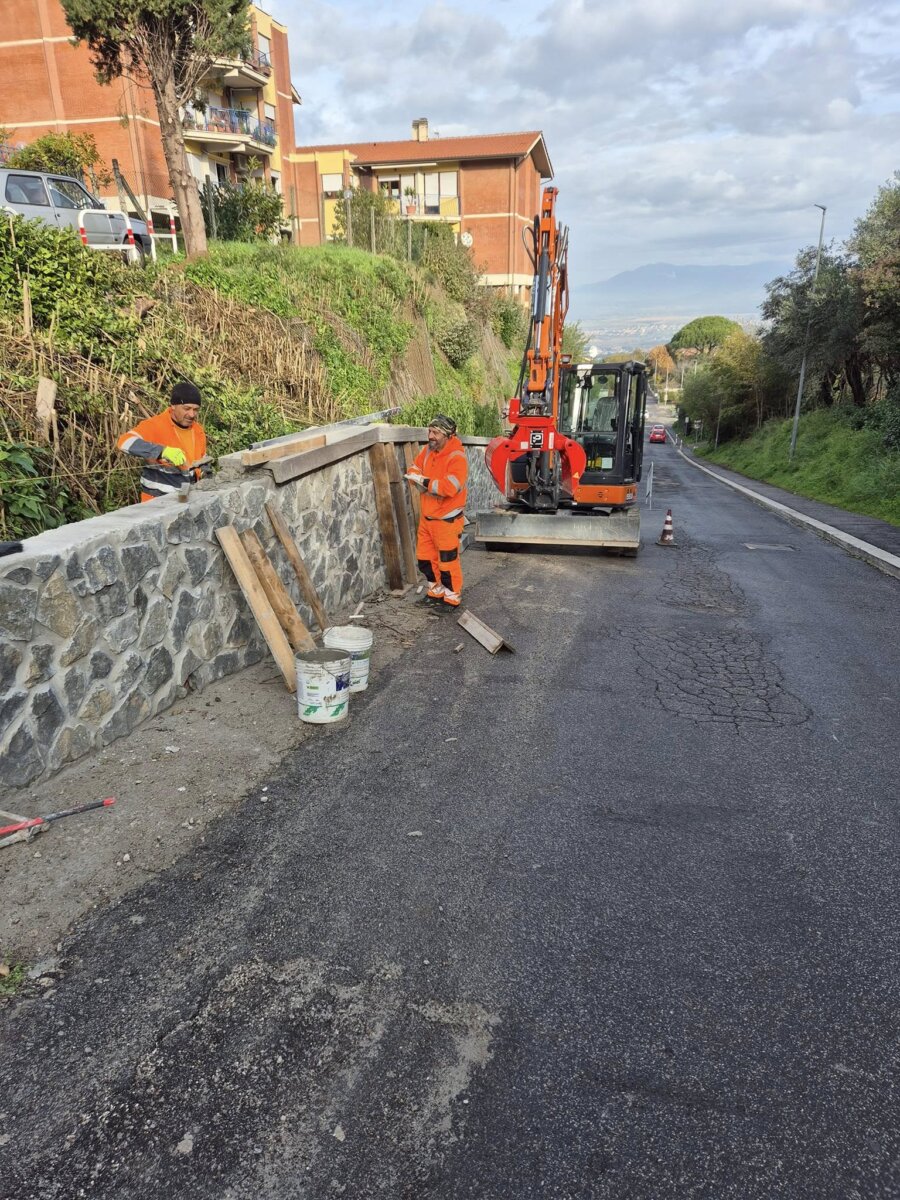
(415, 478)
(173, 455)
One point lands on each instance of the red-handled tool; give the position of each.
(66, 812)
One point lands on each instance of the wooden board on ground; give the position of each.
(259, 603)
(409, 457)
(282, 604)
(398, 493)
(489, 638)
(387, 522)
(280, 525)
(252, 458)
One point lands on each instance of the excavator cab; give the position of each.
(602, 407)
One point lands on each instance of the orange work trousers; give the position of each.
(437, 551)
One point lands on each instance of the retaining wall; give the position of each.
(106, 622)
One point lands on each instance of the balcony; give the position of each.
(427, 207)
(231, 129)
(249, 71)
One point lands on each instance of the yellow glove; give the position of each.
(173, 455)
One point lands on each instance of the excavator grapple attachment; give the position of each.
(616, 530)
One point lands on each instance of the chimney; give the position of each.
(420, 129)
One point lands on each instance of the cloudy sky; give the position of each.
(684, 131)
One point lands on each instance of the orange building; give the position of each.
(237, 131)
(484, 186)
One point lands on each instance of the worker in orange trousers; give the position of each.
(169, 443)
(441, 472)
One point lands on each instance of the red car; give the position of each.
(658, 433)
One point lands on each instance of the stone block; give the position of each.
(111, 601)
(205, 638)
(156, 624)
(101, 665)
(74, 686)
(57, 609)
(47, 716)
(18, 606)
(186, 666)
(182, 528)
(10, 660)
(73, 742)
(172, 574)
(40, 668)
(140, 601)
(83, 640)
(160, 668)
(101, 570)
(10, 706)
(131, 670)
(123, 632)
(21, 760)
(21, 575)
(197, 560)
(99, 702)
(138, 562)
(125, 718)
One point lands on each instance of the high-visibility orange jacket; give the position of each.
(149, 438)
(446, 473)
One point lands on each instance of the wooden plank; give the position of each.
(299, 445)
(285, 469)
(489, 638)
(282, 604)
(409, 457)
(45, 405)
(386, 520)
(307, 587)
(259, 604)
(398, 494)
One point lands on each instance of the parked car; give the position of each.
(657, 433)
(59, 200)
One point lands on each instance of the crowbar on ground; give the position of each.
(32, 825)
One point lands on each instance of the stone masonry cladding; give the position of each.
(108, 621)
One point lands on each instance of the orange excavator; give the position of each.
(569, 469)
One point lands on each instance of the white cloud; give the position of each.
(685, 130)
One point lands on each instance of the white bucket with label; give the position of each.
(323, 685)
(359, 643)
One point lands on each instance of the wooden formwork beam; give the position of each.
(278, 596)
(280, 525)
(387, 521)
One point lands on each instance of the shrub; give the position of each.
(508, 321)
(248, 212)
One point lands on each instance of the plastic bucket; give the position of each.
(359, 643)
(323, 686)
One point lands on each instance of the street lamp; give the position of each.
(806, 338)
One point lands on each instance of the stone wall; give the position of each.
(108, 621)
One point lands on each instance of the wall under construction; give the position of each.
(108, 621)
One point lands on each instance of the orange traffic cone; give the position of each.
(667, 537)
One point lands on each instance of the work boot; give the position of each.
(437, 591)
(452, 598)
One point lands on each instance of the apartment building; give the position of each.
(485, 186)
(239, 128)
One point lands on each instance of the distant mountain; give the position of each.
(662, 290)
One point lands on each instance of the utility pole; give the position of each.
(812, 293)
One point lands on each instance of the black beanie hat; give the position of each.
(185, 393)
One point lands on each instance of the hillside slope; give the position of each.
(277, 338)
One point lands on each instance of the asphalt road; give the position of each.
(614, 916)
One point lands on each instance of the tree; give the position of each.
(249, 212)
(876, 245)
(703, 334)
(575, 341)
(171, 44)
(63, 154)
(661, 361)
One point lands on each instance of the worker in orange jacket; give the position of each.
(441, 471)
(170, 444)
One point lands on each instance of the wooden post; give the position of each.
(282, 605)
(372, 227)
(259, 603)
(386, 520)
(398, 490)
(409, 458)
(280, 525)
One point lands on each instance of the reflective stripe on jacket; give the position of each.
(149, 438)
(447, 472)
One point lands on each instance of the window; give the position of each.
(269, 110)
(448, 184)
(264, 50)
(389, 185)
(221, 173)
(26, 189)
(66, 193)
(333, 186)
